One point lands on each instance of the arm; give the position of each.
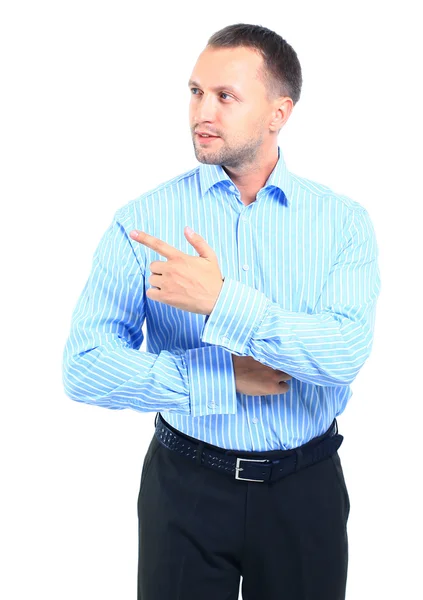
(102, 363)
(327, 347)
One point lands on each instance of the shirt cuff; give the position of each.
(211, 377)
(237, 314)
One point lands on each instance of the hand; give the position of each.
(191, 283)
(255, 379)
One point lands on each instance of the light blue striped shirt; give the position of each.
(301, 282)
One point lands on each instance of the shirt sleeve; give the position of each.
(326, 347)
(102, 364)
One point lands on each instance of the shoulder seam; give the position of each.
(169, 182)
(327, 192)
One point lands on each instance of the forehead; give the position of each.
(236, 66)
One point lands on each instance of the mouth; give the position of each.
(205, 140)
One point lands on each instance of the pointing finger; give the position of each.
(154, 243)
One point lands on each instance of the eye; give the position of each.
(194, 90)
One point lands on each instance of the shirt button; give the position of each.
(244, 219)
(231, 188)
(225, 340)
(255, 420)
(212, 404)
(245, 267)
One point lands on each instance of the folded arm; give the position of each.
(327, 347)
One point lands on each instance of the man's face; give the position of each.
(228, 100)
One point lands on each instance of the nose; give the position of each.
(206, 108)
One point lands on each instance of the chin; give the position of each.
(201, 155)
(208, 159)
(204, 159)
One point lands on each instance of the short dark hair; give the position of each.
(282, 69)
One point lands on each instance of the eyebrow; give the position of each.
(230, 88)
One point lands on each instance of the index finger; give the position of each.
(154, 243)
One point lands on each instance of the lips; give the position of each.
(206, 140)
(201, 133)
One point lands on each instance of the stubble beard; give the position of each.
(233, 157)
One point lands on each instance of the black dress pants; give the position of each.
(201, 530)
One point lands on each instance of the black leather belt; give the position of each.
(250, 466)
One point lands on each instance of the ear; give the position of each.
(282, 110)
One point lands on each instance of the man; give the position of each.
(258, 323)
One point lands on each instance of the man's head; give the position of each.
(243, 89)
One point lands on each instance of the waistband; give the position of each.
(266, 466)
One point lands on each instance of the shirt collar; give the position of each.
(280, 177)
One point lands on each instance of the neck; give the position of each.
(250, 179)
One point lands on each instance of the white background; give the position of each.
(94, 113)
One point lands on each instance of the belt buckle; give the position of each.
(238, 468)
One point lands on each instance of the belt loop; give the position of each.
(199, 453)
(336, 427)
(155, 420)
(299, 454)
